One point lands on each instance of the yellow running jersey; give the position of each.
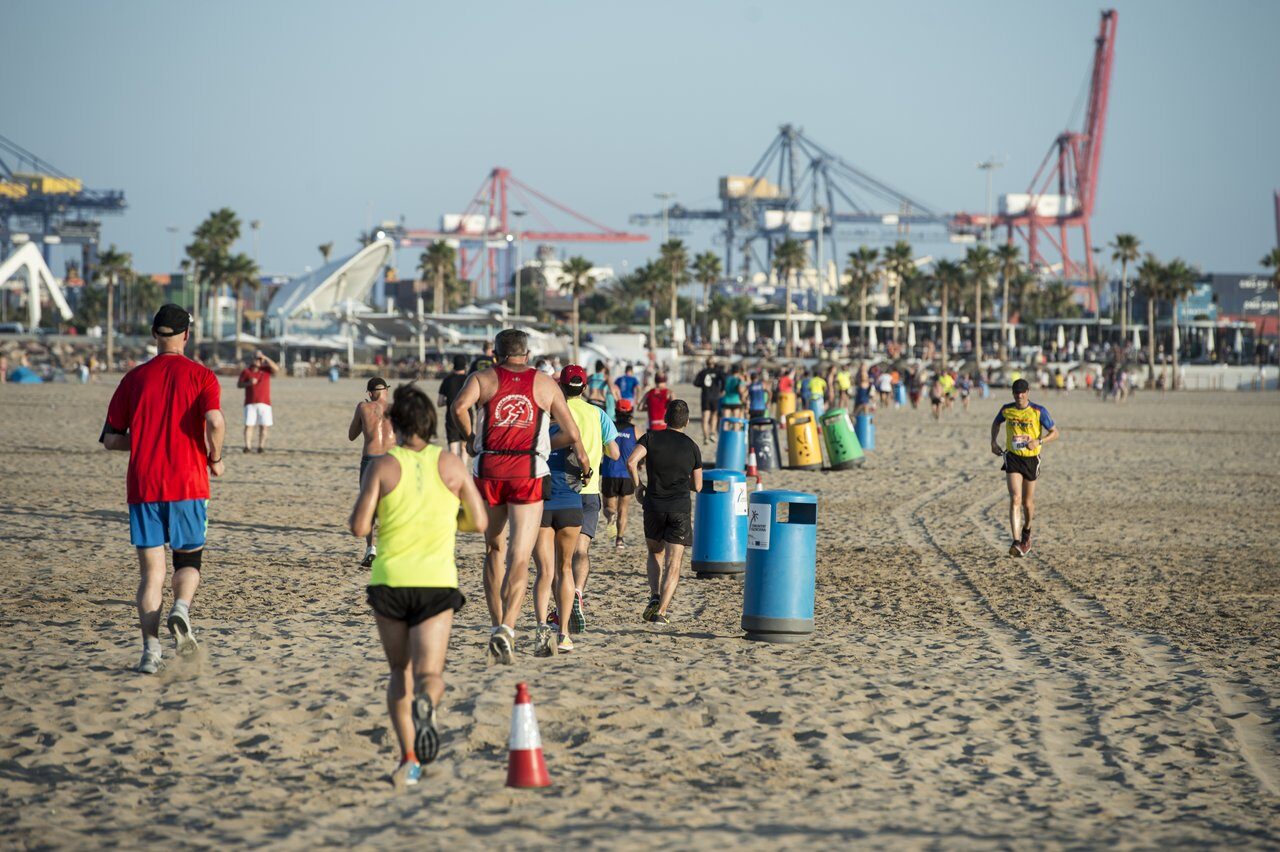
(417, 525)
(1022, 425)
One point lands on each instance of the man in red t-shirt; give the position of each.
(655, 402)
(256, 381)
(165, 414)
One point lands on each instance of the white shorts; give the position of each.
(257, 414)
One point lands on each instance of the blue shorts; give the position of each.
(181, 524)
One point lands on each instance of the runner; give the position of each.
(165, 414)
(554, 552)
(734, 387)
(615, 482)
(655, 403)
(414, 491)
(256, 381)
(450, 387)
(1028, 428)
(817, 389)
(710, 382)
(673, 466)
(599, 436)
(965, 386)
(599, 390)
(511, 444)
(370, 420)
(483, 362)
(844, 386)
(626, 385)
(935, 396)
(948, 387)
(757, 396)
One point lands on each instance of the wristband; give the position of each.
(218, 460)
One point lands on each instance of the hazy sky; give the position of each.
(314, 116)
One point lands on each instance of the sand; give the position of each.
(1118, 688)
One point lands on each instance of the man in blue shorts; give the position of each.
(166, 415)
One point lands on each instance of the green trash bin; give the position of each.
(843, 449)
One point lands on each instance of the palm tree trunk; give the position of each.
(653, 327)
(897, 310)
(1151, 342)
(862, 315)
(674, 315)
(111, 329)
(239, 291)
(791, 341)
(1124, 301)
(945, 345)
(1004, 317)
(977, 322)
(575, 326)
(1174, 339)
(437, 295)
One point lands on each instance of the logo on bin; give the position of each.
(758, 527)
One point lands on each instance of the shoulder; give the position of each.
(1042, 411)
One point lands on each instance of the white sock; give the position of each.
(180, 607)
(151, 644)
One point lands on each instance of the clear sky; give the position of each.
(314, 117)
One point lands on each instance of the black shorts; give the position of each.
(413, 604)
(1028, 466)
(755, 413)
(617, 486)
(365, 461)
(559, 519)
(671, 527)
(711, 403)
(451, 431)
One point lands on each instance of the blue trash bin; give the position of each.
(865, 428)
(900, 394)
(731, 444)
(720, 524)
(763, 438)
(782, 555)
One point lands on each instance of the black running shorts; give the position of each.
(1028, 466)
(671, 527)
(560, 519)
(413, 604)
(617, 486)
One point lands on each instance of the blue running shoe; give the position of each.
(407, 774)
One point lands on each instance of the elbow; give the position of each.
(358, 527)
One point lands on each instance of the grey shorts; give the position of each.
(590, 514)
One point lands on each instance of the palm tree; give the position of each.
(675, 263)
(1179, 280)
(789, 258)
(577, 279)
(1272, 261)
(326, 249)
(862, 274)
(113, 265)
(947, 274)
(649, 280)
(898, 263)
(211, 249)
(1124, 250)
(706, 269)
(1010, 264)
(438, 262)
(1149, 284)
(981, 264)
(240, 271)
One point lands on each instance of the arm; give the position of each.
(633, 463)
(362, 514)
(272, 367)
(242, 382)
(475, 518)
(995, 433)
(611, 450)
(113, 440)
(356, 429)
(461, 408)
(560, 411)
(214, 429)
(697, 479)
(1052, 435)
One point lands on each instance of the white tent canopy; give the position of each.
(332, 287)
(28, 257)
(715, 331)
(1084, 337)
(751, 332)
(955, 336)
(733, 331)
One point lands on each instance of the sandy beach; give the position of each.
(1119, 688)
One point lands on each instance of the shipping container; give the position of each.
(745, 186)
(1018, 203)
(50, 185)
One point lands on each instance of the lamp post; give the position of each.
(988, 165)
(515, 235)
(664, 197)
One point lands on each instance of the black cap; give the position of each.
(376, 383)
(1021, 386)
(459, 362)
(172, 317)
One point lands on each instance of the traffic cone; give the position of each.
(526, 766)
(752, 470)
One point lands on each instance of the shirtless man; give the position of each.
(371, 421)
(511, 444)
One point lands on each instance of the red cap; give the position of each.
(573, 376)
(625, 405)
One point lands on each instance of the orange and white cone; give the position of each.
(526, 766)
(752, 469)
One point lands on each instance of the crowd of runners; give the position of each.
(543, 463)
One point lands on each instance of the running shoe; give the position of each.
(619, 545)
(150, 662)
(577, 621)
(660, 618)
(1026, 538)
(370, 554)
(501, 645)
(407, 774)
(180, 628)
(553, 617)
(426, 741)
(1024, 548)
(544, 641)
(651, 609)
(566, 644)
(1015, 549)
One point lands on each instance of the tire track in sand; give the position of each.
(1072, 743)
(1240, 707)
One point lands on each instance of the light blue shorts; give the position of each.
(181, 524)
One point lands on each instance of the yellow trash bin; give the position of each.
(786, 405)
(804, 446)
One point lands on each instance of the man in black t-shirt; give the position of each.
(673, 466)
(710, 382)
(482, 362)
(450, 387)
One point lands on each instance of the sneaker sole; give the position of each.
(426, 740)
(577, 621)
(1014, 551)
(500, 652)
(180, 630)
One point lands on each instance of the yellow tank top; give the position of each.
(417, 524)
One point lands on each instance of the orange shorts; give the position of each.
(498, 492)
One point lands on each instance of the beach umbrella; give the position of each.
(680, 330)
(795, 332)
(1013, 338)
(872, 343)
(733, 332)
(844, 335)
(1239, 343)
(1062, 338)
(1137, 338)
(955, 336)
(751, 332)
(1209, 345)
(817, 334)
(715, 332)
(911, 334)
(777, 332)
(1084, 338)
